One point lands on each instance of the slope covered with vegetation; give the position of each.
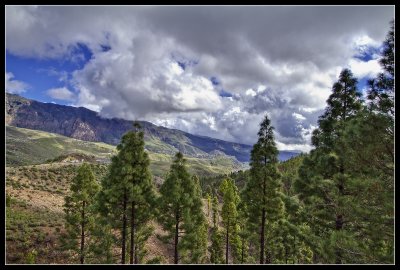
(28, 147)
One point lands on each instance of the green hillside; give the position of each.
(28, 147)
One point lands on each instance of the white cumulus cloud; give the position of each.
(363, 69)
(61, 93)
(14, 86)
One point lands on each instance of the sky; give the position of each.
(208, 70)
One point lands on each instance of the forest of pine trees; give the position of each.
(334, 205)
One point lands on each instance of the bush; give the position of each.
(31, 257)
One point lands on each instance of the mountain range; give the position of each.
(84, 124)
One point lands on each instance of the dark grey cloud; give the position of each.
(159, 61)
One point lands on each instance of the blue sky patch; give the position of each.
(362, 84)
(81, 54)
(366, 53)
(44, 74)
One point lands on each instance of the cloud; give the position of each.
(61, 75)
(61, 94)
(160, 60)
(363, 69)
(14, 86)
(142, 87)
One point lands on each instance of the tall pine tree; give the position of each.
(262, 191)
(216, 252)
(79, 213)
(127, 198)
(195, 240)
(369, 150)
(141, 191)
(324, 183)
(229, 212)
(181, 213)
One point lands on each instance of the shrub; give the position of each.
(31, 257)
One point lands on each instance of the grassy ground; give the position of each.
(32, 229)
(35, 218)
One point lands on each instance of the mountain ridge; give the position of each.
(84, 124)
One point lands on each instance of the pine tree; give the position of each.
(262, 191)
(368, 144)
(128, 193)
(342, 105)
(195, 240)
(181, 213)
(324, 183)
(241, 249)
(79, 214)
(229, 212)
(113, 201)
(216, 252)
(141, 191)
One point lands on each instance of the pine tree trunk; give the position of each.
(262, 236)
(83, 232)
(123, 230)
(176, 238)
(227, 243)
(132, 233)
